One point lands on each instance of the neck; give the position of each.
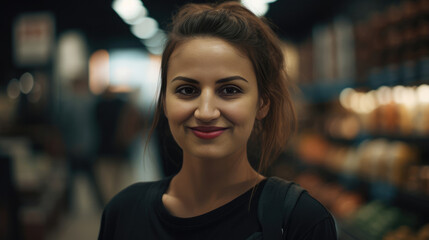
(209, 183)
(214, 175)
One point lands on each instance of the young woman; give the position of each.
(223, 90)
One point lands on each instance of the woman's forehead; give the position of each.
(209, 56)
(203, 40)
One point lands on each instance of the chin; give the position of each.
(209, 154)
(216, 152)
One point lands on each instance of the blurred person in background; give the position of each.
(119, 123)
(80, 138)
(224, 91)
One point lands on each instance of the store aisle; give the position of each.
(77, 227)
(83, 221)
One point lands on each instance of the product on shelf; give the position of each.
(312, 148)
(389, 48)
(407, 233)
(363, 52)
(343, 125)
(389, 111)
(418, 179)
(423, 233)
(402, 233)
(305, 65)
(373, 160)
(409, 48)
(402, 157)
(376, 219)
(347, 204)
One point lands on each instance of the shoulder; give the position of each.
(127, 207)
(133, 195)
(309, 208)
(310, 220)
(305, 218)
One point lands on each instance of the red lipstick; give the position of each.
(207, 132)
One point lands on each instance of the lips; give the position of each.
(207, 132)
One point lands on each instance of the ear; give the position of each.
(264, 107)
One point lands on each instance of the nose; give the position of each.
(207, 109)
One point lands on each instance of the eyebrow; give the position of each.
(222, 80)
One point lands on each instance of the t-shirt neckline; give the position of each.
(206, 218)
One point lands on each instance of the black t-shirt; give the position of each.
(137, 212)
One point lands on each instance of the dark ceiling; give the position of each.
(97, 19)
(104, 28)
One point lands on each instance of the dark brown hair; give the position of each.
(250, 34)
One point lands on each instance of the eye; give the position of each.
(230, 90)
(187, 90)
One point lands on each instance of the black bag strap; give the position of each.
(278, 199)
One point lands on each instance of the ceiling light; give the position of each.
(129, 9)
(158, 39)
(145, 29)
(258, 7)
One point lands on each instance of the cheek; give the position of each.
(241, 113)
(177, 111)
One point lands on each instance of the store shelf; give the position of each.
(422, 141)
(324, 91)
(401, 207)
(414, 202)
(347, 231)
(381, 170)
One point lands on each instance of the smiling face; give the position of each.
(211, 99)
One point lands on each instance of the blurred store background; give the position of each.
(78, 80)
